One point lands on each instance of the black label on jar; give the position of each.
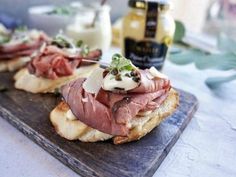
(151, 20)
(145, 54)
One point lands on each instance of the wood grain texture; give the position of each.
(29, 113)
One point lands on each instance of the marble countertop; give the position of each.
(207, 147)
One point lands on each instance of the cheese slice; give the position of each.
(70, 115)
(94, 82)
(31, 83)
(156, 73)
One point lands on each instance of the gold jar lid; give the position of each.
(141, 4)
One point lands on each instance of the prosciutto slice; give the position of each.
(7, 56)
(54, 62)
(149, 83)
(51, 49)
(111, 112)
(22, 48)
(86, 108)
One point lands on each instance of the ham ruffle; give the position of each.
(53, 62)
(21, 49)
(111, 112)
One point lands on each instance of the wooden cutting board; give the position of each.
(29, 114)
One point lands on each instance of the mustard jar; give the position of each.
(147, 32)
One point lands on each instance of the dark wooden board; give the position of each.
(29, 113)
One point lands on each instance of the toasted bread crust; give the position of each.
(74, 129)
(30, 83)
(13, 64)
(140, 126)
(166, 109)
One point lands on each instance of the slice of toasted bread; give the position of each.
(13, 64)
(140, 126)
(30, 83)
(143, 125)
(74, 129)
(3, 66)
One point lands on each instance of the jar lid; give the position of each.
(161, 1)
(141, 4)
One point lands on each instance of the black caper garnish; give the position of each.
(61, 42)
(133, 73)
(114, 71)
(118, 88)
(136, 79)
(118, 77)
(106, 71)
(127, 75)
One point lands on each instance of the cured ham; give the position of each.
(53, 62)
(21, 44)
(149, 83)
(111, 112)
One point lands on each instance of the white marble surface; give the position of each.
(207, 148)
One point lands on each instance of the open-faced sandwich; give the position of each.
(121, 102)
(55, 64)
(16, 47)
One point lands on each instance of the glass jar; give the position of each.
(97, 35)
(147, 32)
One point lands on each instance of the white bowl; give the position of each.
(50, 23)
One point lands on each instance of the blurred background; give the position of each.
(191, 12)
(205, 28)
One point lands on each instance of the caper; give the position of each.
(118, 88)
(114, 71)
(118, 77)
(127, 75)
(133, 73)
(136, 79)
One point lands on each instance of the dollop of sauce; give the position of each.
(124, 82)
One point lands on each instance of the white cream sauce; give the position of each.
(126, 83)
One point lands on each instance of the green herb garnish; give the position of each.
(4, 39)
(85, 50)
(26, 39)
(120, 63)
(79, 43)
(21, 28)
(67, 11)
(61, 42)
